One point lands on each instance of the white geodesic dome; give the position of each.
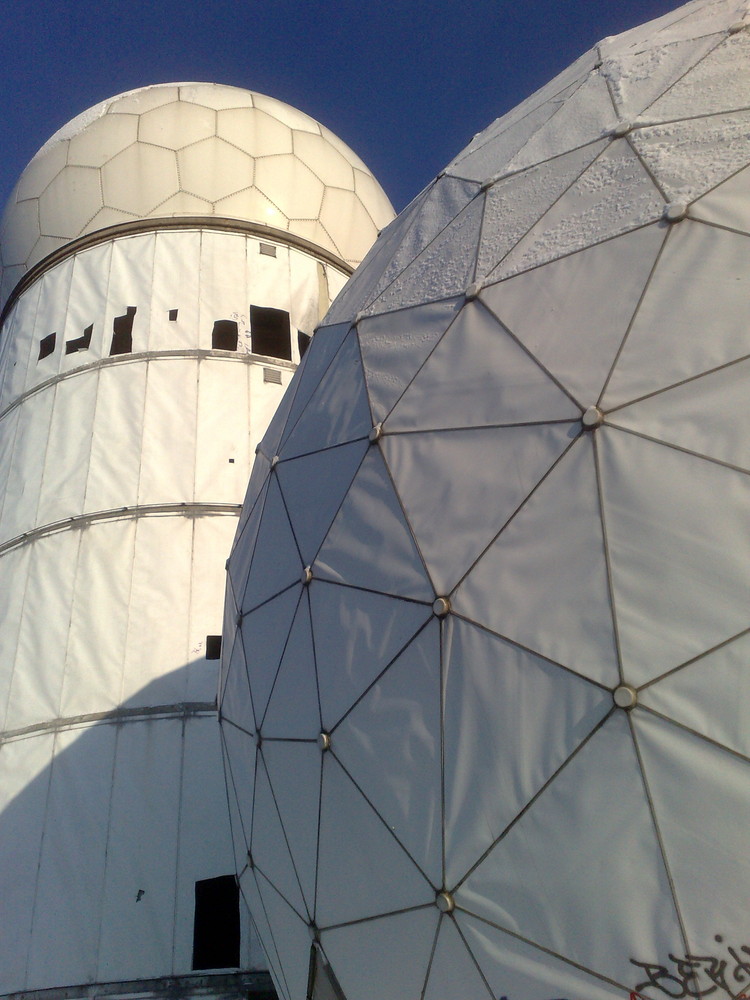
(191, 150)
(487, 624)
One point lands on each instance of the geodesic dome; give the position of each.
(191, 150)
(487, 619)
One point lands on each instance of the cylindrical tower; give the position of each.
(165, 257)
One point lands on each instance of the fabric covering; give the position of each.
(498, 742)
(121, 477)
(179, 150)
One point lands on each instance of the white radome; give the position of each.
(488, 617)
(166, 258)
(191, 150)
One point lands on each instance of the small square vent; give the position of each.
(272, 375)
(268, 249)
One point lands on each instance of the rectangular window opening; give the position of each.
(303, 342)
(172, 315)
(213, 644)
(224, 335)
(270, 332)
(268, 249)
(216, 929)
(122, 335)
(82, 343)
(47, 345)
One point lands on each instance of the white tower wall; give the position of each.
(128, 423)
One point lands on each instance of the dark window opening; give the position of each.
(47, 345)
(216, 930)
(172, 315)
(270, 332)
(82, 343)
(268, 249)
(303, 342)
(224, 336)
(213, 643)
(122, 336)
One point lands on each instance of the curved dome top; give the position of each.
(191, 149)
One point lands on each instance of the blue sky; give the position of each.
(405, 83)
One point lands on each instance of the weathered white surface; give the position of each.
(493, 576)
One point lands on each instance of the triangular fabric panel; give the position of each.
(687, 21)
(560, 315)
(307, 378)
(293, 710)
(710, 695)
(669, 340)
(565, 856)
(682, 155)
(514, 968)
(495, 148)
(337, 410)
(453, 971)
(478, 375)
(543, 583)
(717, 84)
(614, 195)
(229, 635)
(291, 937)
(269, 848)
(239, 751)
(236, 701)
(709, 415)
(680, 583)
(369, 544)
(356, 849)
(325, 985)
(229, 619)
(258, 476)
(269, 443)
(360, 288)
(249, 888)
(265, 633)
(394, 346)
(443, 201)
(383, 958)
(704, 833)
(639, 78)
(728, 204)
(276, 561)
(443, 269)
(313, 487)
(511, 720)
(581, 119)
(515, 204)
(390, 744)
(245, 541)
(547, 98)
(356, 633)
(293, 770)
(459, 487)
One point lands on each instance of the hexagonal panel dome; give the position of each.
(188, 149)
(488, 612)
